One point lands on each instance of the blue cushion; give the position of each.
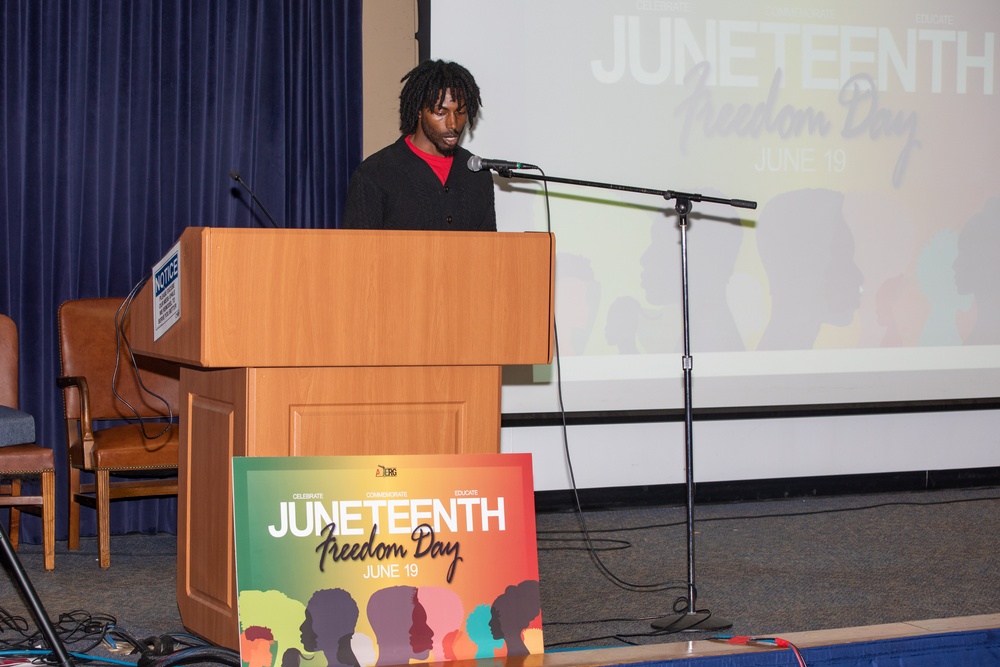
(16, 427)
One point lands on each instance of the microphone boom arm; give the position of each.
(666, 194)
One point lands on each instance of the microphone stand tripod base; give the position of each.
(698, 621)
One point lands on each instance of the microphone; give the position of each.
(235, 175)
(477, 163)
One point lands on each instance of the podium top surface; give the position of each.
(306, 297)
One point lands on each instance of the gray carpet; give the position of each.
(769, 567)
(780, 566)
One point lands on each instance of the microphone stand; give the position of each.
(692, 619)
(61, 655)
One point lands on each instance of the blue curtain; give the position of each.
(121, 123)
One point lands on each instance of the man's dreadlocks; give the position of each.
(424, 87)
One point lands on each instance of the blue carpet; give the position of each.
(976, 648)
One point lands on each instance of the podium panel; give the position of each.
(347, 297)
(305, 412)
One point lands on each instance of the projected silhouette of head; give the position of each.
(884, 230)
(363, 647)
(391, 615)
(935, 272)
(807, 250)
(477, 627)
(331, 617)
(977, 272)
(578, 298)
(256, 644)
(444, 615)
(512, 613)
(282, 616)
(713, 247)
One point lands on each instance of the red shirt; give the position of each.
(439, 163)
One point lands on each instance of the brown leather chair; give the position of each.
(100, 389)
(20, 456)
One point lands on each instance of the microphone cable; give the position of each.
(591, 547)
(121, 317)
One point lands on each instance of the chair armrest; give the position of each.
(80, 384)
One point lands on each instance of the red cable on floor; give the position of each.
(747, 640)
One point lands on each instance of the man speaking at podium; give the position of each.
(422, 181)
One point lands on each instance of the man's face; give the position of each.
(440, 128)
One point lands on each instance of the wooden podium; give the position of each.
(333, 342)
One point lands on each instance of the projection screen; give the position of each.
(865, 131)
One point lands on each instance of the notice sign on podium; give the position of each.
(380, 560)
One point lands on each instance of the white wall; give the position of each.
(650, 454)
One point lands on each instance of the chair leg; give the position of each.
(49, 518)
(15, 515)
(102, 479)
(73, 539)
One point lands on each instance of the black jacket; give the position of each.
(395, 189)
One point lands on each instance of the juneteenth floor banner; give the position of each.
(385, 560)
